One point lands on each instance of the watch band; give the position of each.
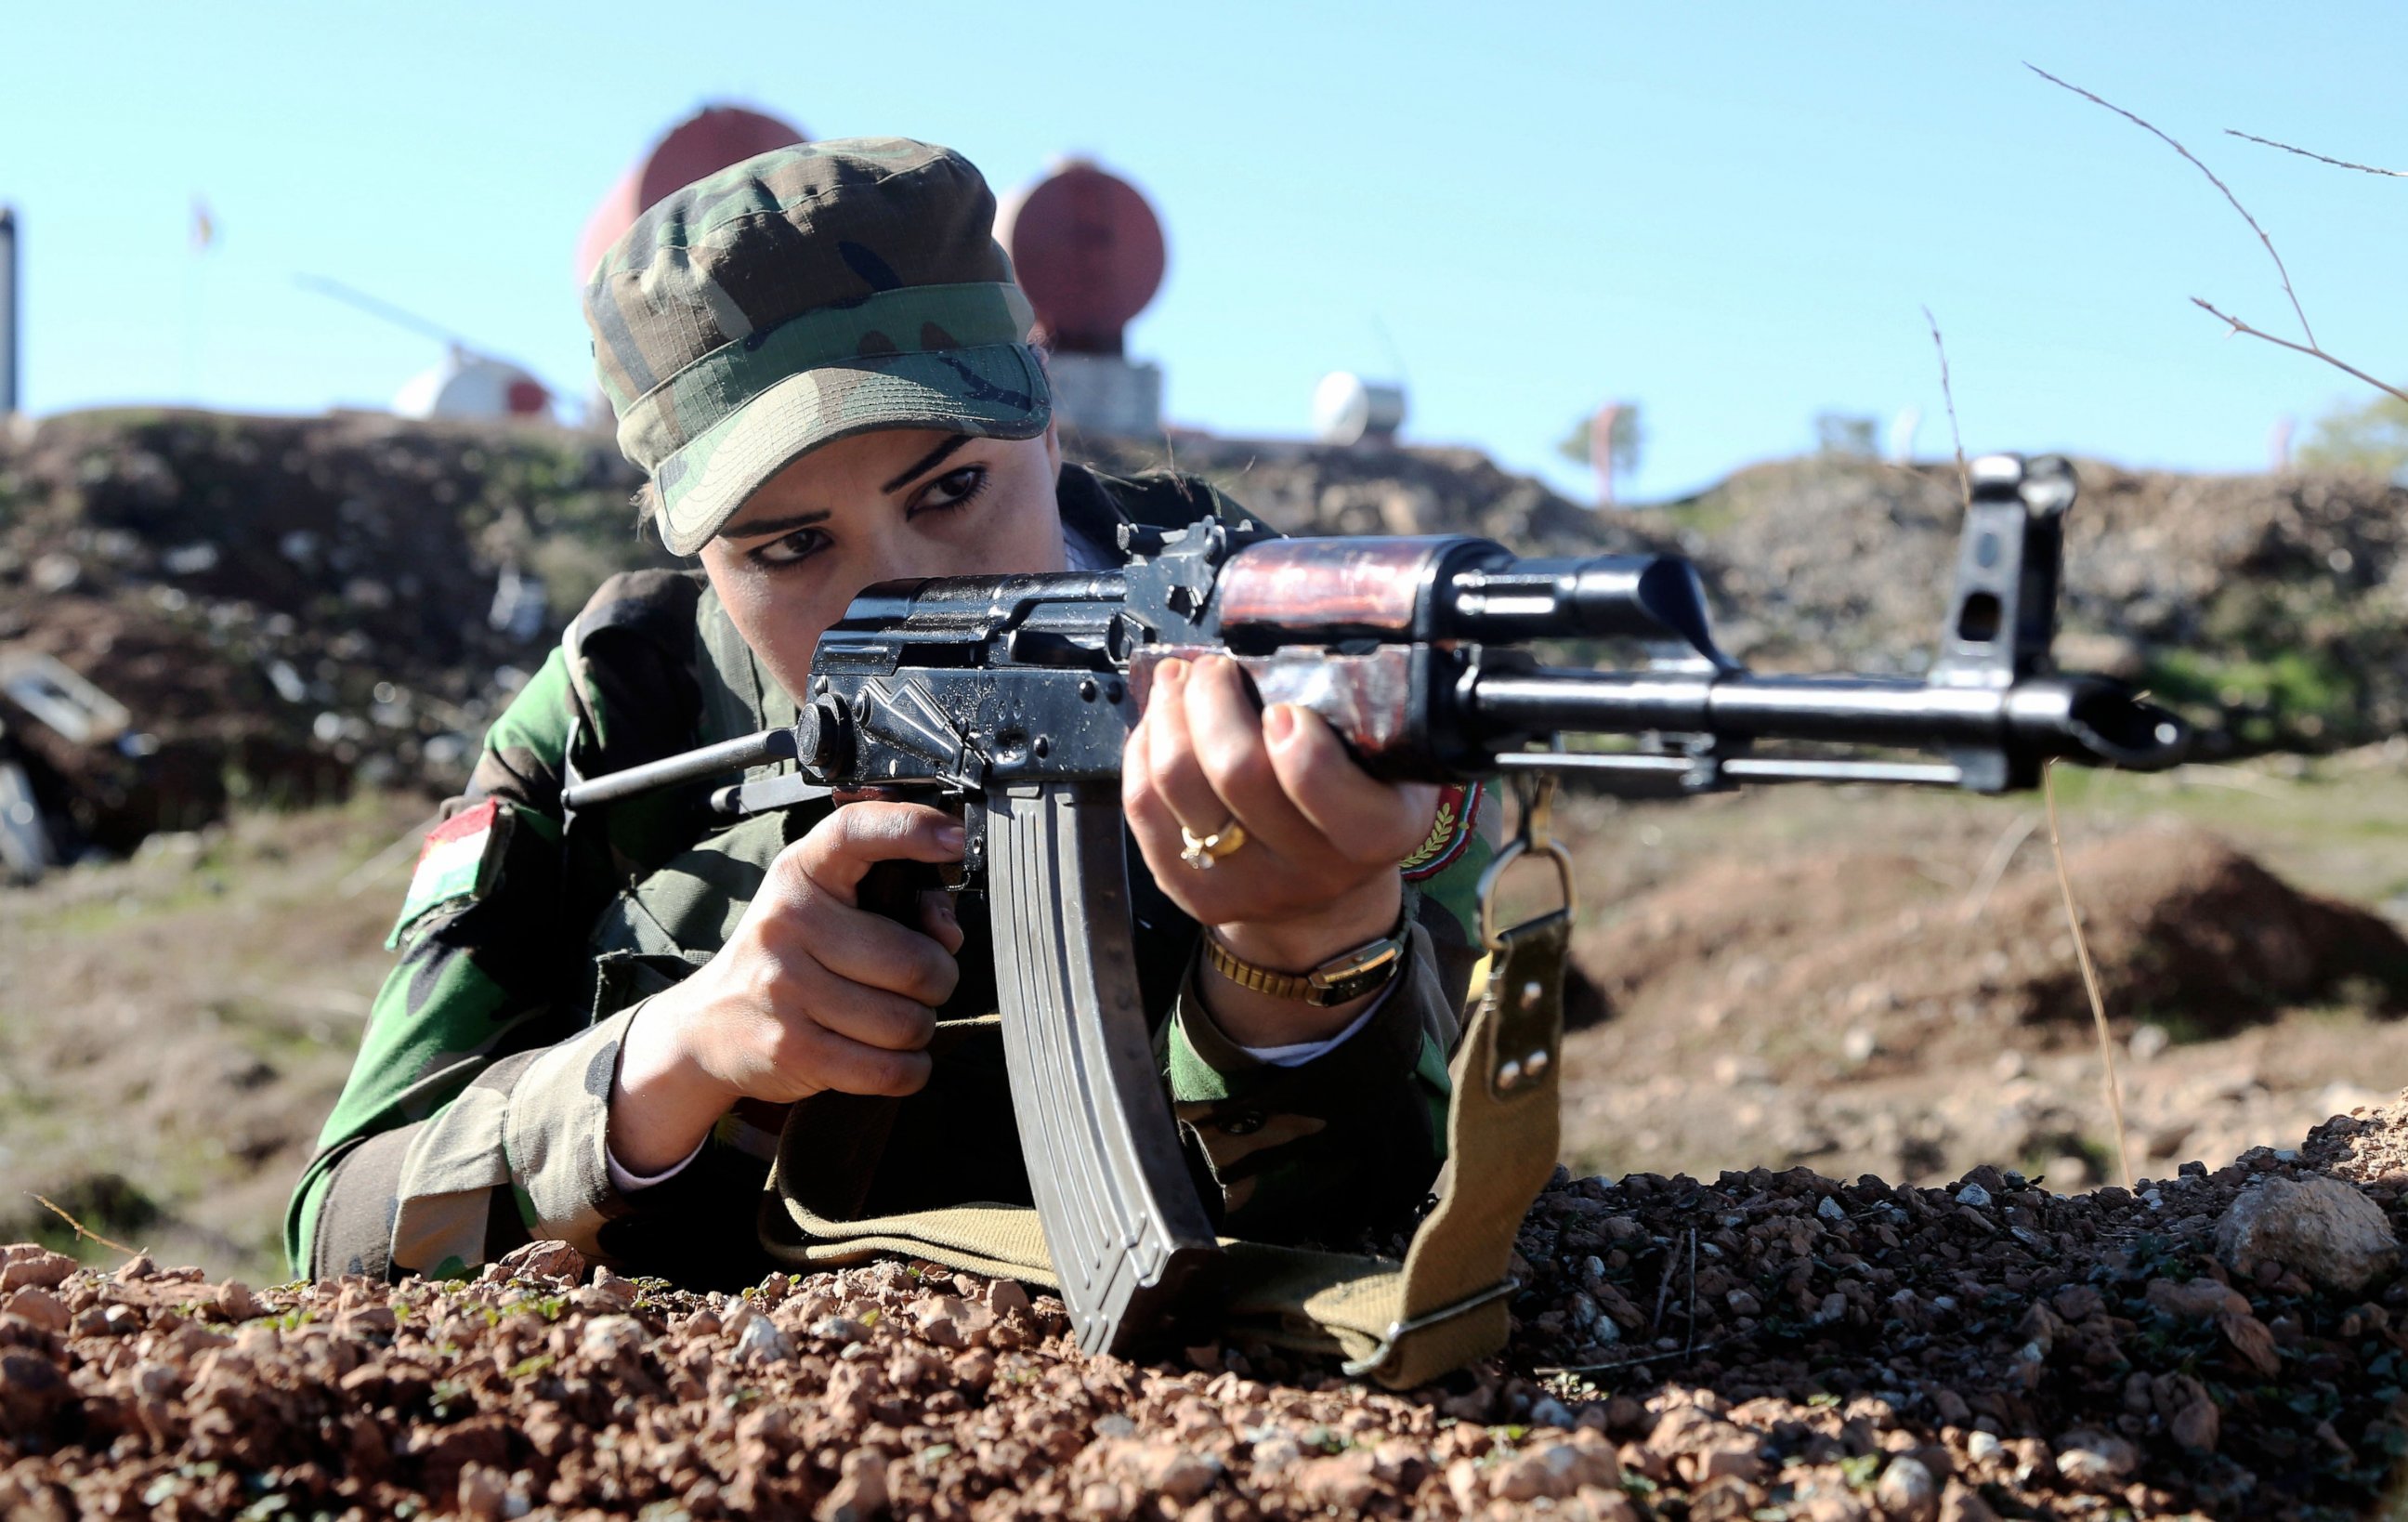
(1348, 975)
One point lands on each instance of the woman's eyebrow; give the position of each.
(754, 528)
(927, 462)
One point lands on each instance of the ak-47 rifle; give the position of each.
(1015, 693)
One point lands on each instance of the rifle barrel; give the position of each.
(2043, 717)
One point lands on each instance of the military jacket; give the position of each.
(475, 1116)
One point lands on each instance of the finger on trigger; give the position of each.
(842, 847)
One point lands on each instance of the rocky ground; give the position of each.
(1768, 1345)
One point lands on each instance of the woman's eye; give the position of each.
(793, 549)
(953, 489)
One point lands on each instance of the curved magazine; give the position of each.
(1124, 1228)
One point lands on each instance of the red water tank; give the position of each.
(702, 144)
(1089, 252)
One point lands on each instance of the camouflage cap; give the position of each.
(809, 294)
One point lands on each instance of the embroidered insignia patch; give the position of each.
(1458, 815)
(459, 860)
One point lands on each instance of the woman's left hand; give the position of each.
(1317, 874)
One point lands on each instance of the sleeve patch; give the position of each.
(458, 864)
(1458, 819)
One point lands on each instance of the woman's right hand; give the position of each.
(812, 992)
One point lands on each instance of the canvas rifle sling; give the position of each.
(1402, 1324)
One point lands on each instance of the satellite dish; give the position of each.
(703, 144)
(1349, 410)
(1087, 249)
(471, 385)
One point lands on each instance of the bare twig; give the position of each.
(2338, 163)
(2003, 853)
(83, 1232)
(2089, 977)
(404, 849)
(2285, 275)
(1633, 1363)
(2310, 350)
(1663, 1293)
(1948, 395)
(1693, 1292)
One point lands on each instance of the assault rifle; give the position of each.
(1013, 695)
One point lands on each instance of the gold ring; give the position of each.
(1201, 851)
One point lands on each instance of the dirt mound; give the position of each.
(2268, 608)
(2183, 928)
(287, 604)
(1774, 1341)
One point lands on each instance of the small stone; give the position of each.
(39, 1307)
(623, 1290)
(840, 1329)
(860, 1494)
(28, 1264)
(1114, 1425)
(2199, 1298)
(57, 572)
(1006, 1297)
(1743, 1303)
(234, 1302)
(1831, 1210)
(2078, 1302)
(1961, 1503)
(2328, 1231)
(2094, 1460)
(136, 1269)
(951, 1322)
(2197, 1426)
(1550, 1412)
(759, 1340)
(606, 1338)
(555, 1260)
(2252, 1341)
(1981, 1447)
(1343, 1483)
(1906, 1492)
(1973, 1195)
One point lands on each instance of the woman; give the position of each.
(597, 1023)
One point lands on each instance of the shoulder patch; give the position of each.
(1458, 816)
(459, 862)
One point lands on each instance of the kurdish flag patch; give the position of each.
(459, 862)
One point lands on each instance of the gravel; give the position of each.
(1761, 1346)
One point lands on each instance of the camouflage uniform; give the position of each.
(475, 1117)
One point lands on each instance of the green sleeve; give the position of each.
(1353, 1138)
(481, 972)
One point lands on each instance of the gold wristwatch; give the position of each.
(1348, 975)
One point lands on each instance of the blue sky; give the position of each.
(1730, 214)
